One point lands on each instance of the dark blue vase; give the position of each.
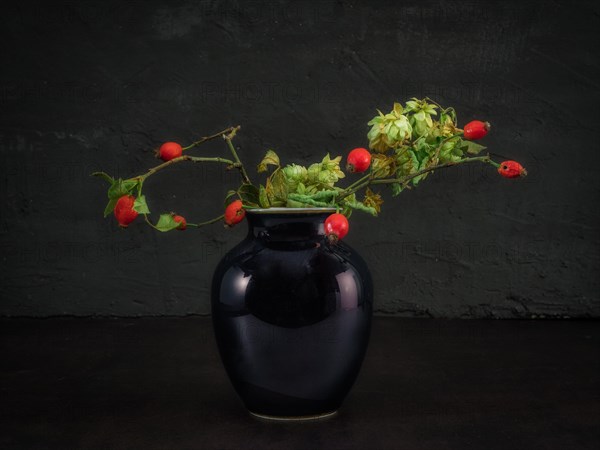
(292, 314)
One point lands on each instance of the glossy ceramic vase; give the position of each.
(291, 314)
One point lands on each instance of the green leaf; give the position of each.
(414, 161)
(472, 147)
(319, 198)
(424, 148)
(104, 175)
(166, 223)
(249, 195)
(354, 204)
(295, 204)
(117, 189)
(452, 115)
(306, 200)
(140, 205)
(230, 194)
(110, 206)
(422, 165)
(270, 159)
(396, 189)
(263, 199)
(121, 187)
(325, 195)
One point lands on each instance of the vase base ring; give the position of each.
(294, 418)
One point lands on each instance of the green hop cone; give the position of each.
(313, 173)
(389, 130)
(327, 177)
(333, 165)
(420, 116)
(325, 173)
(295, 175)
(422, 123)
(400, 130)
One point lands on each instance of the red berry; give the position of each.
(124, 211)
(476, 130)
(359, 160)
(234, 213)
(181, 221)
(170, 150)
(511, 169)
(336, 227)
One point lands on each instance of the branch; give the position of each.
(185, 158)
(194, 225)
(238, 162)
(208, 222)
(208, 138)
(404, 180)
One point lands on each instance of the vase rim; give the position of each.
(283, 210)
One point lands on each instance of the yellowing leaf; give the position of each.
(278, 185)
(262, 197)
(373, 200)
(270, 159)
(382, 165)
(398, 109)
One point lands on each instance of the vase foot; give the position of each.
(294, 418)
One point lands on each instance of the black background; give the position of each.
(98, 86)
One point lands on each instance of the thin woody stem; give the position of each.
(238, 162)
(208, 138)
(365, 180)
(404, 180)
(227, 134)
(150, 223)
(427, 99)
(185, 158)
(208, 222)
(194, 225)
(441, 144)
(361, 180)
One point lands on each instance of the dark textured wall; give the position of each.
(87, 86)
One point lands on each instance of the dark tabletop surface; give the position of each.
(157, 383)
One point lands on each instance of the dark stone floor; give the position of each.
(426, 384)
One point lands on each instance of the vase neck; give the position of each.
(287, 226)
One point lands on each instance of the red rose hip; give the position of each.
(476, 130)
(182, 223)
(124, 211)
(169, 151)
(359, 160)
(511, 169)
(234, 213)
(336, 227)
